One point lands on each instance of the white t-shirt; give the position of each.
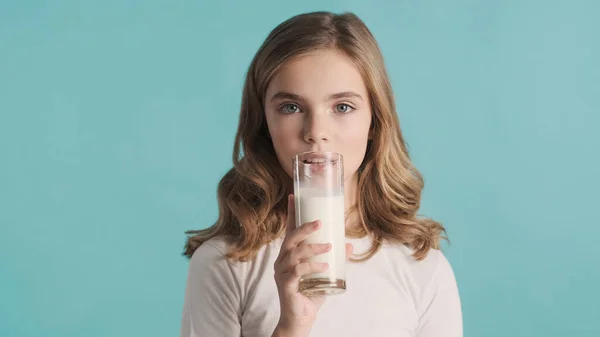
(389, 295)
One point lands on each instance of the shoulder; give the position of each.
(212, 248)
(435, 269)
(211, 255)
(211, 270)
(435, 294)
(430, 280)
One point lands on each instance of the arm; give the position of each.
(212, 297)
(441, 313)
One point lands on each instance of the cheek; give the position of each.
(354, 145)
(284, 148)
(282, 137)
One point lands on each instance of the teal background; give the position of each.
(117, 120)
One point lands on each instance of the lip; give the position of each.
(315, 154)
(315, 159)
(317, 162)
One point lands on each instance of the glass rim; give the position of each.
(327, 153)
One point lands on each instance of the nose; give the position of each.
(315, 128)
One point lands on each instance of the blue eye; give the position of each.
(343, 108)
(290, 108)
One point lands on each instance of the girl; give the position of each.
(319, 83)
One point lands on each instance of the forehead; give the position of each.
(317, 75)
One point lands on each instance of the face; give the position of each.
(319, 102)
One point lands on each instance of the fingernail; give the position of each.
(316, 224)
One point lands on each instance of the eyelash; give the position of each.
(283, 106)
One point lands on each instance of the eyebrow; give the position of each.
(345, 94)
(288, 95)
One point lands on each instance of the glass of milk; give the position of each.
(319, 195)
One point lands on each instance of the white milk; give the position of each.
(330, 210)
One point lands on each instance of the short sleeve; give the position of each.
(213, 296)
(440, 311)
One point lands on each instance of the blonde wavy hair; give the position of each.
(252, 195)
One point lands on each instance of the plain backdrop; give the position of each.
(117, 121)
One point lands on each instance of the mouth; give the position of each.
(318, 165)
(315, 160)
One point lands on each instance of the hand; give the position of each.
(298, 312)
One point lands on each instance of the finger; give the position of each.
(349, 251)
(303, 252)
(292, 277)
(300, 234)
